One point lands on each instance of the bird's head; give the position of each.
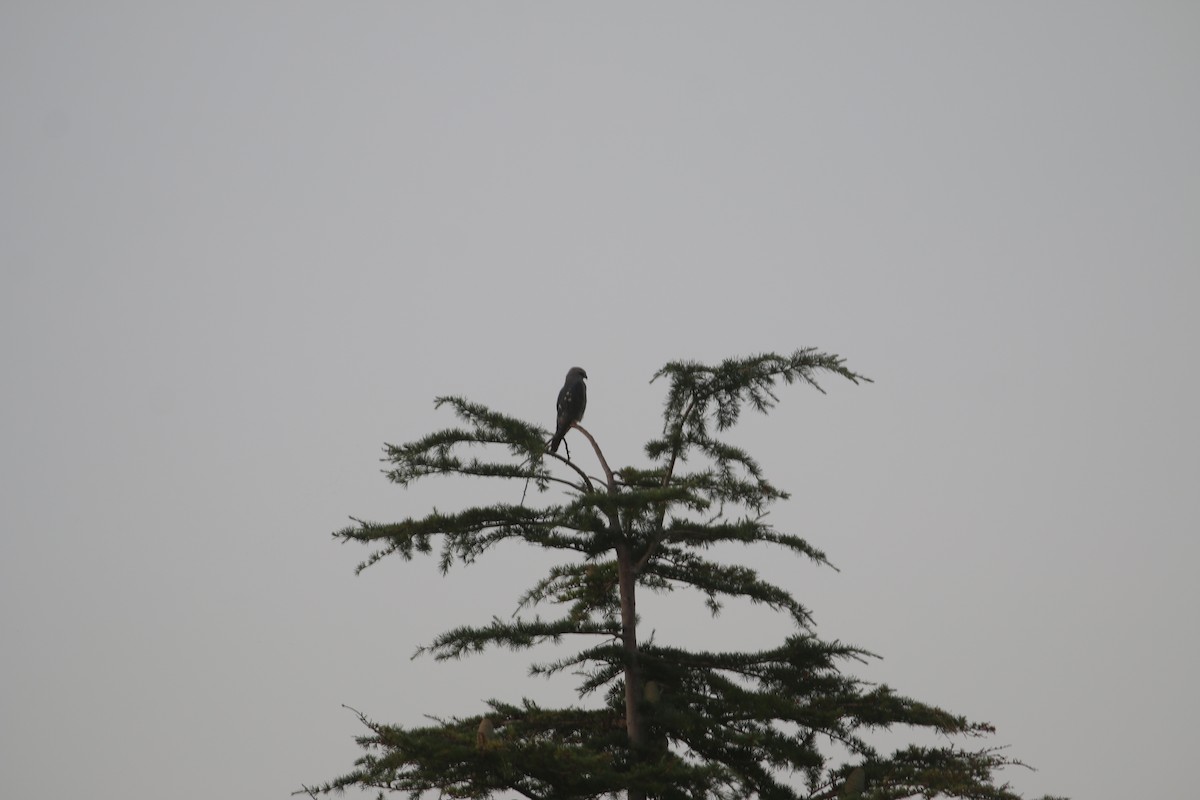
(576, 372)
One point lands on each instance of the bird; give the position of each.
(486, 734)
(855, 783)
(572, 400)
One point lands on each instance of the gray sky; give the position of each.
(242, 245)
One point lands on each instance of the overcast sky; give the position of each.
(244, 244)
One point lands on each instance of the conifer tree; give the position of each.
(664, 721)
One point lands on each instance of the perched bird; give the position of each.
(572, 400)
(855, 783)
(486, 733)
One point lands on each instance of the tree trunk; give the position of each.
(633, 679)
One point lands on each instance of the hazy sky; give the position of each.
(242, 245)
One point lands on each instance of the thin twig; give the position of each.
(657, 538)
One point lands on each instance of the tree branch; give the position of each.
(587, 480)
(608, 475)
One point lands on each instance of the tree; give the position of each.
(670, 722)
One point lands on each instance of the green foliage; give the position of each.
(666, 722)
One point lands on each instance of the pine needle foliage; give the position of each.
(662, 721)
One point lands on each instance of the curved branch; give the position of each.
(564, 481)
(586, 479)
(608, 474)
